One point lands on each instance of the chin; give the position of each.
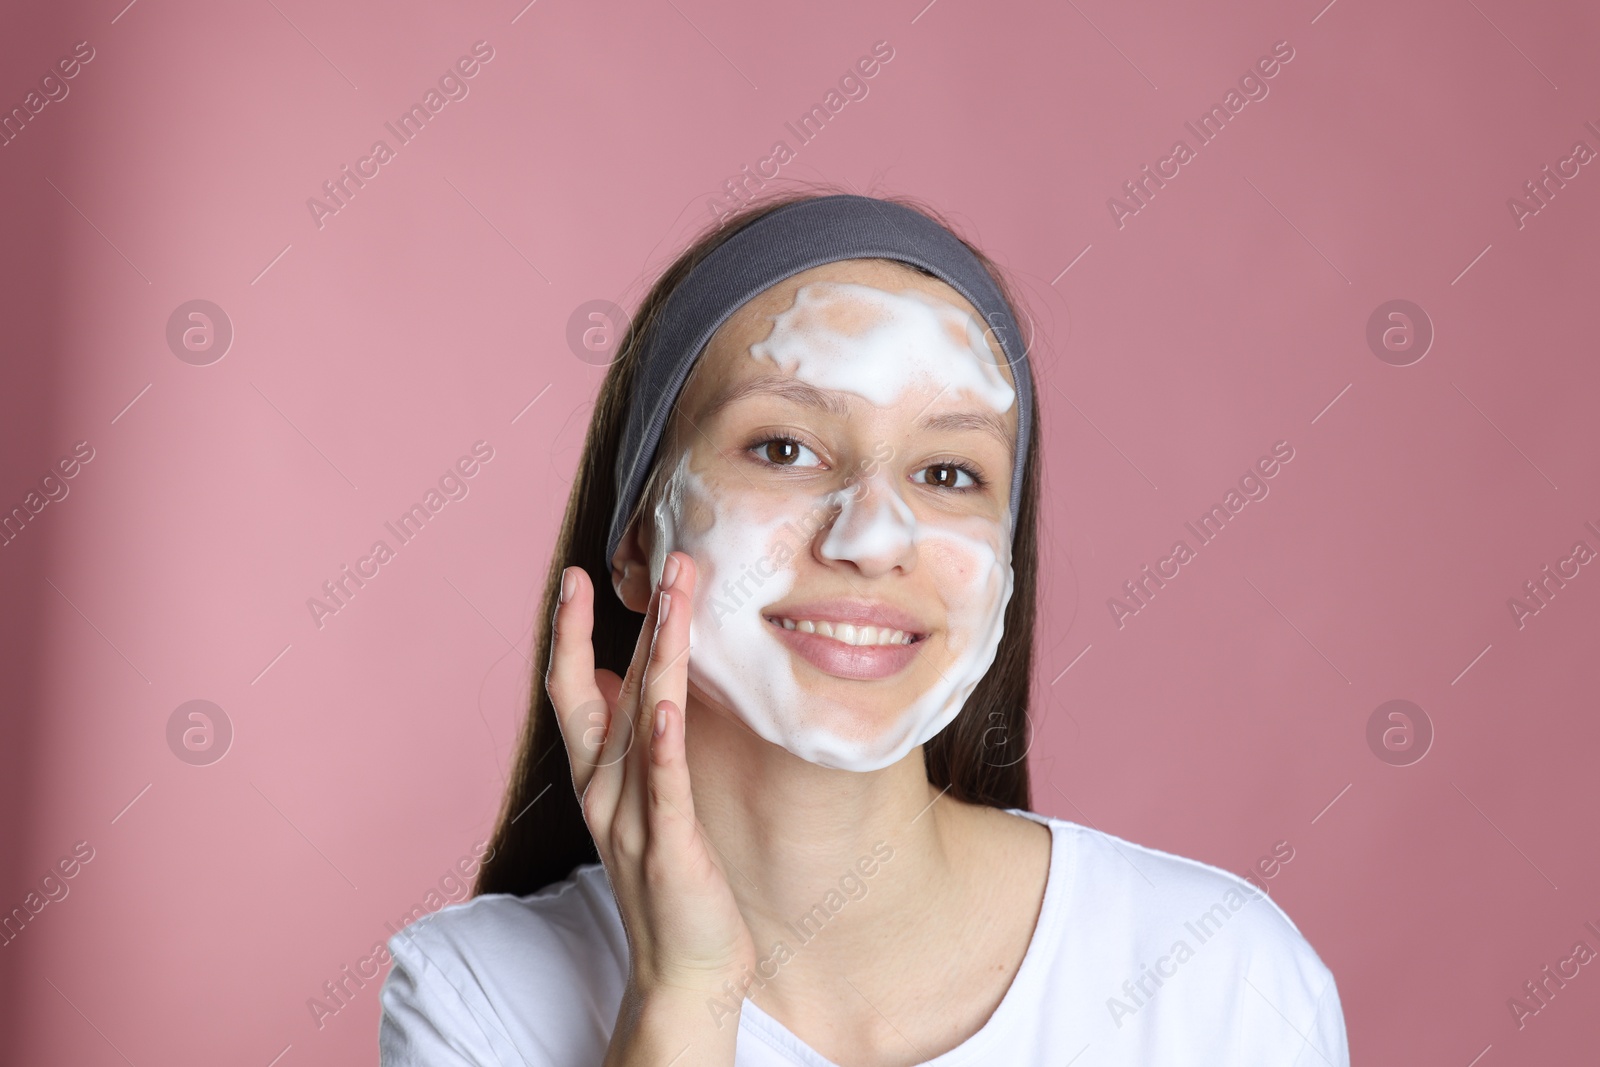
(842, 746)
(833, 721)
(840, 754)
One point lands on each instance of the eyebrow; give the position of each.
(791, 389)
(983, 422)
(807, 395)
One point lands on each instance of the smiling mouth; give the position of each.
(848, 633)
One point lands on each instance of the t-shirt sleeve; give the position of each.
(426, 1021)
(520, 981)
(1326, 1044)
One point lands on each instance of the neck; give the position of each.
(831, 864)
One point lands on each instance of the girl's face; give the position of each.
(840, 470)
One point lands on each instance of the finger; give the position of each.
(580, 706)
(606, 780)
(669, 799)
(628, 697)
(609, 683)
(667, 672)
(610, 686)
(665, 678)
(609, 780)
(624, 704)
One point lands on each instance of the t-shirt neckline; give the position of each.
(973, 1049)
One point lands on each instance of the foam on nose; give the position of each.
(873, 525)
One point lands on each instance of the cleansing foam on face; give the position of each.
(830, 680)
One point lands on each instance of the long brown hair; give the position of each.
(981, 755)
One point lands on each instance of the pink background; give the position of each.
(1228, 314)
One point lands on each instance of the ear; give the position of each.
(631, 573)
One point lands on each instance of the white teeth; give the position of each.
(847, 633)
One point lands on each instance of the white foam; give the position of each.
(746, 544)
(910, 337)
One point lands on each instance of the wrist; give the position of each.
(658, 1024)
(689, 1006)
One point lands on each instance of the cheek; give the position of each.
(968, 558)
(698, 518)
(970, 576)
(959, 567)
(730, 533)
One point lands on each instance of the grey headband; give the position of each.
(791, 239)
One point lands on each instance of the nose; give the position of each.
(874, 530)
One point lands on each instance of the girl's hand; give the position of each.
(625, 741)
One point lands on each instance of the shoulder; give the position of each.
(1148, 917)
(572, 917)
(497, 971)
(1155, 890)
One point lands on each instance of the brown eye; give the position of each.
(947, 476)
(785, 452)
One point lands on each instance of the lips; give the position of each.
(857, 612)
(848, 633)
(848, 638)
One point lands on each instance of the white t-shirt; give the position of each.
(1139, 957)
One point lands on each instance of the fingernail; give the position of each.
(669, 572)
(569, 583)
(663, 609)
(660, 725)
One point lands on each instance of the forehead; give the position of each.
(726, 355)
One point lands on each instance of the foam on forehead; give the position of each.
(877, 344)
